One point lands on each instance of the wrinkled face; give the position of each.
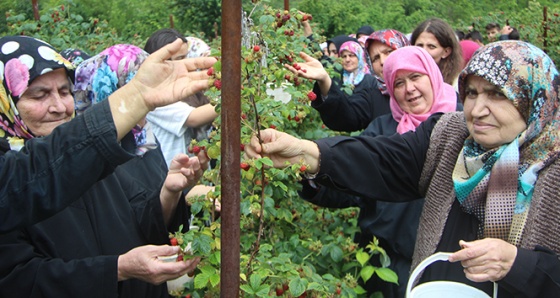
(349, 61)
(413, 92)
(332, 50)
(182, 54)
(47, 103)
(492, 34)
(491, 117)
(378, 52)
(429, 42)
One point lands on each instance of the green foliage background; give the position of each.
(134, 21)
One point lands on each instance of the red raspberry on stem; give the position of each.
(210, 71)
(311, 96)
(196, 149)
(174, 241)
(256, 48)
(218, 84)
(245, 166)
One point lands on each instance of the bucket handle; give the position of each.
(439, 256)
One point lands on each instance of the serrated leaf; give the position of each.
(315, 286)
(247, 289)
(367, 272)
(298, 286)
(263, 291)
(387, 275)
(201, 280)
(336, 253)
(362, 257)
(214, 279)
(255, 280)
(267, 161)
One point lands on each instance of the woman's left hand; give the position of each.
(487, 259)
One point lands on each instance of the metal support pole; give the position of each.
(231, 147)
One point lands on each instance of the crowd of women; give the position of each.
(456, 155)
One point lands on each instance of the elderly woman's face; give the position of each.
(378, 52)
(491, 117)
(413, 92)
(349, 61)
(47, 103)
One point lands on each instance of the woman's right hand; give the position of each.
(284, 149)
(310, 69)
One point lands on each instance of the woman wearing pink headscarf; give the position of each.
(416, 89)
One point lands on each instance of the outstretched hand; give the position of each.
(284, 149)
(310, 69)
(142, 263)
(487, 259)
(162, 81)
(184, 172)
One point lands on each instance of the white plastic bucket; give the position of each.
(440, 288)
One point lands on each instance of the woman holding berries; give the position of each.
(394, 224)
(489, 174)
(106, 243)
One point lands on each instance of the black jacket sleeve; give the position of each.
(376, 167)
(343, 112)
(535, 273)
(46, 175)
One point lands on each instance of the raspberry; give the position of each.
(196, 149)
(302, 168)
(218, 84)
(174, 241)
(210, 71)
(245, 166)
(256, 48)
(311, 96)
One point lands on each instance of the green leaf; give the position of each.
(247, 289)
(360, 291)
(201, 280)
(336, 253)
(362, 257)
(215, 279)
(298, 286)
(267, 161)
(367, 272)
(255, 280)
(263, 291)
(387, 275)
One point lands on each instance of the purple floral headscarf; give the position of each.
(101, 75)
(22, 60)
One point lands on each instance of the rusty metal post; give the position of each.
(286, 4)
(35, 6)
(231, 147)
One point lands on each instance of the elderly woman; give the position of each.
(369, 99)
(101, 245)
(411, 72)
(354, 63)
(489, 175)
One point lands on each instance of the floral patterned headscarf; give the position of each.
(357, 75)
(75, 56)
(197, 47)
(101, 75)
(22, 60)
(393, 39)
(496, 185)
